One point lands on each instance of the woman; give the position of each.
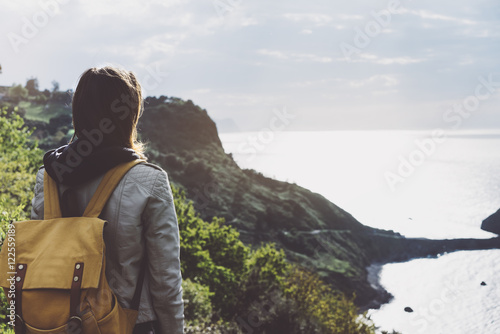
(142, 231)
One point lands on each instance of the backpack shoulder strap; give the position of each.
(106, 188)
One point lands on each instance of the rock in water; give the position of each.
(408, 309)
(492, 223)
(483, 283)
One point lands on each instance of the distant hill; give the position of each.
(226, 125)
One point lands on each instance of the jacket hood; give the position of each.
(80, 161)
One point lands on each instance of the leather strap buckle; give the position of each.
(74, 325)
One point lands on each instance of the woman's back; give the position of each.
(141, 234)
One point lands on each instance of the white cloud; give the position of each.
(384, 92)
(167, 45)
(434, 16)
(349, 17)
(316, 18)
(248, 21)
(385, 80)
(28, 6)
(271, 53)
(245, 100)
(310, 57)
(298, 57)
(398, 60)
(374, 59)
(127, 8)
(481, 32)
(309, 83)
(466, 60)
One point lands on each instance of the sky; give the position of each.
(324, 64)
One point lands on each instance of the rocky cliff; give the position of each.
(313, 231)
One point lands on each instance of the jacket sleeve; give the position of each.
(161, 233)
(37, 202)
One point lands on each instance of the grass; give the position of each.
(38, 112)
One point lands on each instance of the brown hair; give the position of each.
(113, 96)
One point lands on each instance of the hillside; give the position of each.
(313, 231)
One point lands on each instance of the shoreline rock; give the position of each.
(492, 223)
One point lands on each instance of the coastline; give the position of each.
(373, 278)
(398, 249)
(454, 293)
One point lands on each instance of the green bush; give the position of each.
(19, 161)
(211, 254)
(323, 309)
(267, 267)
(197, 305)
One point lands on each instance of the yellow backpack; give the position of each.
(53, 270)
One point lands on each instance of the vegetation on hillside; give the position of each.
(19, 160)
(229, 287)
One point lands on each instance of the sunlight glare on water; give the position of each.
(446, 294)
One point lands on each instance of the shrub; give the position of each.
(197, 305)
(19, 161)
(211, 254)
(322, 308)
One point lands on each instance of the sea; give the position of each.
(423, 184)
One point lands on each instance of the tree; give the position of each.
(62, 97)
(17, 93)
(32, 86)
(55, 86)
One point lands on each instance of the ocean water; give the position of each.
(420, 184)
(445, 294)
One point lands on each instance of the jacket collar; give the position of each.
(80, 161)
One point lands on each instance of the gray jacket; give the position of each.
(141, 221)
